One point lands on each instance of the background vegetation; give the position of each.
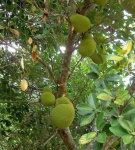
(44, 52)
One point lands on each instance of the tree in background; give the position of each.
(82, 50)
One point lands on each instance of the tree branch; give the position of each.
(67, 139)
(109, 142)
(47, 67)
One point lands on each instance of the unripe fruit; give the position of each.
(47, 89)
(87, 47)
(101, 2)
(47, 99)
(63, 100)
(62, 116)
(80, 23)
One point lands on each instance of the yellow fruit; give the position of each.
(87, 47)
(101, 2)
(96, 58)
(63, 100)
(62, 116)
(47, 99)
(129, 5)
(80, 23)
(47, 89)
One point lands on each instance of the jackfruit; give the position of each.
(47, 89)
(101, 2)
(62, 116)
(47, 99)
(63, 100)
(80, 23)
(87, 47)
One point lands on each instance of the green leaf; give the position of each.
(98, 82)
(99, 119)
(119, 101)
(118, 130)
(87, 119)
(93, 101)
(95, 68)
(104, 96)
(108, 91)
(114, 121)
(128, 111)
(127, 139)
(92, 75)
(127, 125)
(86, 138)
(84, 109)
(101, 138)
(112, 77)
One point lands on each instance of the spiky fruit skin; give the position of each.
(62, 116)
(80, 23)
(63, 100)
(129, 6)
(87, 47)
(47, 99)
(47, 89)
(101, 2)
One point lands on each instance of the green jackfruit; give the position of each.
(87, 47)
(63, 100)
(101, 2)
(47, 89)
(47, 99)
(80, 23)
(62, 116)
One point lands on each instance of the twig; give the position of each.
(75, 66)
(52, 136)
(48, 68)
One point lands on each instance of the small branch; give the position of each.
(109, 142)
(52, 136)
(47, 67)
(75, 66)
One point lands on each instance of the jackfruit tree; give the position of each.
(67, 74)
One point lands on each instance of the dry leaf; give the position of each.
(45, 17)
(24, 85)
(1, 27)
(14, 31)
(22, 63)
(34, 52)
(30, 40)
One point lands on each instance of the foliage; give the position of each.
(46, 55)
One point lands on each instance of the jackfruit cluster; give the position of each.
(87, 46)
(62, 115)
(47, 97)
(80, 23)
